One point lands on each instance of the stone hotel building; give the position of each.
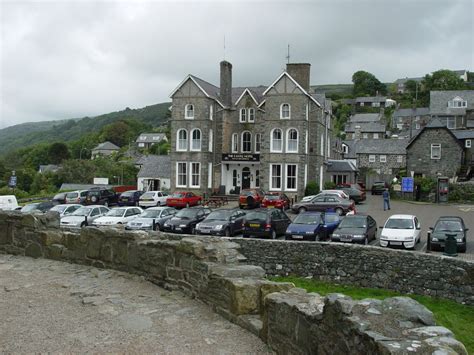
(275, 137)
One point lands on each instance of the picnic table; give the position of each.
(216, 201)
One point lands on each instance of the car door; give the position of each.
(417, 230)
(94, 215)
(317, 204)
(371, 227)
(280, 222)
(330, 203)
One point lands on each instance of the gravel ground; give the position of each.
(50, 306)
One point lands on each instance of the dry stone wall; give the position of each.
(289, 319)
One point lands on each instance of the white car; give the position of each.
(118, 216)
(76, 196)
(65, 210)
(153, 198)
(77, 219)
(401, 230)
(8, 203)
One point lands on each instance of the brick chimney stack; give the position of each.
(226, 83)
(300, 72)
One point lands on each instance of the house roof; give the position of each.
(150, 137)
(371, 99)
(433, 124)
(256, 93)
(341, 166)
(106, 146)
(351, 148)
(365, 117)
(368, 127)
(48, 168)
(155, 166)
(464, 133)
(439, 102)
(409, 112)
(382, 146)
(210, 90)
(404, 80)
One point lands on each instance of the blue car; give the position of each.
(312, 226)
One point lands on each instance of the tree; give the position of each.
(366, 84)
(443, 80)
(161, 148)
(119, 133)
(342, 113)
(58, 152)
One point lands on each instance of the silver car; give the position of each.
(76, 196)
(145, 221)
(65, 210)
(83, 216)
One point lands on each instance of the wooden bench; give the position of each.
(216, 201)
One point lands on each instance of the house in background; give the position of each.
(341, 171)
(365, 126)
(453, 108)
(50, 168)
(104, 149)
(155, 173)
(146, 140)
(410, 120)
(401, 83)
(374, 101)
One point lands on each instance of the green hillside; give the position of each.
(28, 134)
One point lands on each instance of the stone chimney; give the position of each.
(300, 72)
(226, 83)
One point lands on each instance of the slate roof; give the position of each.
(341, 166)
(439, 102)
(408, 112)
(464, 133)
(106, 146)
(404, 80)
(155, 166)
(382, 146)
(371, 99)
(210, 89)
(352, 148)
(365, 117)
(257, 93)
(365, 127)
(74, 187)
(150, 137)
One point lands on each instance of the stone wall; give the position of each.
(290, 320)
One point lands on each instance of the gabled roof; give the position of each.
(464, 133)
(408, 112)
(433, 124)
(256, 93)
(341, 166)
(106, 146)
(211, 91)
(365, 127)
(404, 80)
(365, 117)
(155, 166)
(382, 146)
(150, 137)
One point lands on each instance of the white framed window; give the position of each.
(189, 112)
(235, 143)
(292, 141)
(258, 142)
(362, 104)
(195, 177)
(243, 115)
(451, 122)
(181, 174)
(251, 115)
(291, 177)
(436, 151)
(211, 140)
(307, 112)
(211, 112)
(196, 140)
(457, 102)
(285, 111)
(383, 158)
(182, 136)
(371, 158)
(275, 176)
(375, 104)
(234, 177)
(246, 142)
(209, 175)
(400, 159)
(306, 142)
(376, 136)
(468, 143)
(345, 149)
(365, 135)
(276, 143)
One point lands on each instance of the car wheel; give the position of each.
(317, 238)
(274, 234)
(301, 210)
(94, 199)
(339, 211)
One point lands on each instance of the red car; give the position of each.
(183, 199)
(251, 198)
(276, 200)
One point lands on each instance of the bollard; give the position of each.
(450, 245)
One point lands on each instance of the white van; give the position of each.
(8, 202)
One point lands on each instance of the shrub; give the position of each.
(312, 188)
(329, 185)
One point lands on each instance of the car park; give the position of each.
(37, 207)
(325, 203)
(65, 209)
(223, 222)
(185, 220)
(59, 198)
(8, 203)
(276, 200)
(378, 187)
(444, 226)
(101, 196)
(129, 198)
(118, 216)
(251, 198)
(152, 218)
(354, 194)
(401, 230)
(312, 226)
(83, 216)
(152, 199)
(339, 193)
(265, 223)
(183, 199)
(356, 229)
(76, 196)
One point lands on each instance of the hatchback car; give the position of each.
(65, 209)
(129, 198)
(312, 226)
(185, 221)
(448, 225)
(401, 230)
(251, 198)
(83, 216)
(356, 229)
(153, 198)
(156, 216)
(101, 196)
(38, 207)
(76, 196)
(378, 187)
(226, 222)
(183, 199)
(276, 200)
(325, 203)
(266, 223)
(118, 216)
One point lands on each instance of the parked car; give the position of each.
(185, 221)
(76, 196)
(65, 209)
(8, 203)
(226, 222)
(59, 198)
(153, 198)
(118, 216)
(378, 187)
(101, 196)
(183, 199)
(37, 207)
(356, 229)
(339, 193)
(357, 186)
(83, 216)
(401, 230)
(145, 221)
(325, 203)
(354, 194)
(129, 198)
(251, 198)
(276, 200)
(266, 223)
(312, 226)
(448, 225)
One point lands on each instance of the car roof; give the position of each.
(402, 216)
(95, 206)
(447, 218)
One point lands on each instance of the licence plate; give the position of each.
(254, 225)
(295, 236)
(124, 199)
(346, 239)
(177, 229)
(270, 206)
(395, 243)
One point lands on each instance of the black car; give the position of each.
(227, 222)
(448, 225)
(378, 187)
(38, 207)
(355, 229)
(354, 194)
(60, 198)
(264, 222)
(101, 196)
(186, 219)
(129, 198)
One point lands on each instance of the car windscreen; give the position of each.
(83, 211)
(448, 226)
(72, 195)
(399, 223)
(148, 195)
(256, 216)
(127, 193)
(272, 197)
(31, 207)
(150, 214)
(116, 212)
(308, 218)
(330, 218)
(221, 215)
(59, 208)
(178, 195)
(353, 222)
(187, 213)
(59, 196)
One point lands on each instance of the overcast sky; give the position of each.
(68, 59)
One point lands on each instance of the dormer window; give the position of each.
(189, 112)
(285, 111)
(251, 115)
(457, 102)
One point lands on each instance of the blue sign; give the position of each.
(408, 184)
(12, 182)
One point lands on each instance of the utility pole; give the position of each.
(288, 55)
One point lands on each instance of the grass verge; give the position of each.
(454, 316)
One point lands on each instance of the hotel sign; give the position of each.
(240, 157)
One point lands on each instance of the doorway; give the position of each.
(245, 178)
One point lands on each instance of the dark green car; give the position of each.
(448, 225)
(378, 187)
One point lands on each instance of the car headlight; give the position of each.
(359, 236)
(309, 232)
(409, 239)
(198, 226)
(218, 226)
(183, 225)
(434, 239)
(459, 240)
(336, 235)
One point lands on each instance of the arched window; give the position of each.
(211, 140)
(189, 111)
(246, 142)
(196, 140)
(182, 135)
(235, 143)
(292, 141)
(258, 142)
(276, 140)
(243, 115)
(285, 111)
(251, 115)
